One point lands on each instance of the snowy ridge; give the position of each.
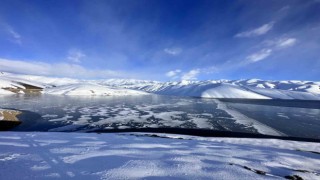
(251, 89)
(60, 86)
(248, 89)
(91, 89)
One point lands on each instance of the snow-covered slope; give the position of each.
(231, 91)
(250, 89)
(284, 94)
(91, 89)
(10, 85)
(34, 155)
(15, 80)
(60, 86)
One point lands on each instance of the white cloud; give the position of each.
(285, 8)
(191, 75)
(286, 42)
(258, 56)
(75, 55)
(210, 70)
(270, 46)
(280, 43)
(14, 36)
(256, 32)
(57, 69)
(173, 73)
(173, 51)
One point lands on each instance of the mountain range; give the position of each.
(248, 88)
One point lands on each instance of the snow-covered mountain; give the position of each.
(15, 83)
(251, 88)
(91, 89)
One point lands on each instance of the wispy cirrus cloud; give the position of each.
(271, 46)
(173, 73)
(12, 34)
(191, 75)
(75, 55)
(267, 48)
(258, 56)
(173, 51)
(285, 42)
(15, 36)
(256, 32)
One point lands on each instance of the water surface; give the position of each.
(78, 113)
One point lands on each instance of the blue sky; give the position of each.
(162, 39)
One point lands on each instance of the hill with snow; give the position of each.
(248, 89)
(91, 89)
(15, 83)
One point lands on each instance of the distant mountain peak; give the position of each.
(244, 88)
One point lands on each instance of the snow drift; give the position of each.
(34, 155)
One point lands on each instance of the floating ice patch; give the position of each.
(49, 116)
(244, 120)
(9, 157)
(200, 122)
(65, 118)
(13, 144)
(10, 137)
(40, 167)
(282, 115)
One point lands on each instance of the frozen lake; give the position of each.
(78, 113)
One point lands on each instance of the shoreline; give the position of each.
(9, 119)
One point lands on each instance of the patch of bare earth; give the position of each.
(8, 119)
(28, 89)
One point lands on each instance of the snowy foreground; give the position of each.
(35, 155)
(248, 89)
